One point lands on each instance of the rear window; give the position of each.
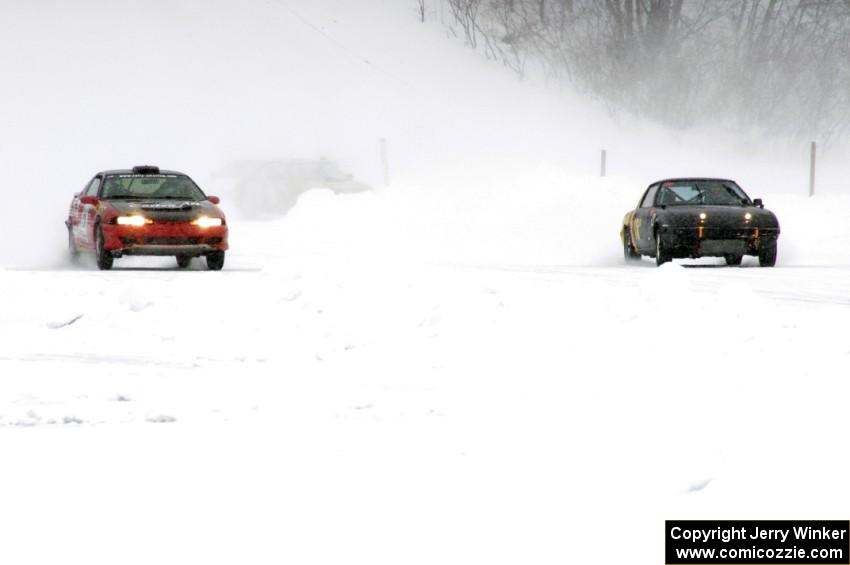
(178, 187)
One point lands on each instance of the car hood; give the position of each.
(717, 216)
(167, 210)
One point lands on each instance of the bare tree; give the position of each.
(775, 65)
(465, 13)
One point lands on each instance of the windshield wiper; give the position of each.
(734, 194)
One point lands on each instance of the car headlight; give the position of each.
(132, 220)
(207, 222)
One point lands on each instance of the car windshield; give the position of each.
(151, 186)
(701, 192)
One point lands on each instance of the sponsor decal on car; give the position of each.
(182, 205)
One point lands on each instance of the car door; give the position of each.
(76, 210)
(641, 228)
(76, 214)
(87, 213)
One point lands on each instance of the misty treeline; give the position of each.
(770, 66)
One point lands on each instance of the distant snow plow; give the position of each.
(273, 187)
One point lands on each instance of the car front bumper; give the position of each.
(681, 242)
(164, 239)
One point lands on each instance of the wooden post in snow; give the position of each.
(385, 165)
(812, 169)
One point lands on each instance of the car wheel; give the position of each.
(183, 261)
(767, 255)
(215, 260)
(733, 260)
(628, 249)
(103, 258)
(661, 254)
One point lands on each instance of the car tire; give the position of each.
(767, 254)
(215, 260)
(103, 258)
(628, 249)
(183, 261)
(661, 254)
(733, 260)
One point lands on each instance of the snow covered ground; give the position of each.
(454, 369)
(333, 396)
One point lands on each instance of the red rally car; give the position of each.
(146, 211)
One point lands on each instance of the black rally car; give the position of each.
(699, 217)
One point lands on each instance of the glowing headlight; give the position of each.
(132, 220)
(207, 222)
(748, 216)
(702, 215)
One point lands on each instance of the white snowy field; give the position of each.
(338, 395)
(457, 368)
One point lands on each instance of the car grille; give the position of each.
(171, 240)
(728, 233)
(735, 233)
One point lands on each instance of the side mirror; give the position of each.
(88, 200)
(758, 202)
(214, 199)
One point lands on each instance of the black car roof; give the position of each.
(131, 172)
(675, 179)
